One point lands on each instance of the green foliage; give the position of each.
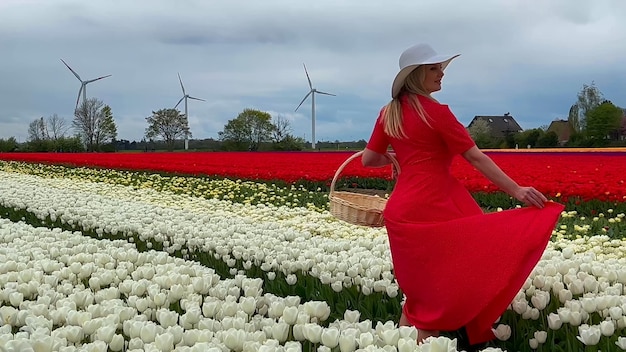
(603, 121)
(168, 124)
(62, 144)
(289, 143)
(94, 123)
(548, 139)
(8, 145)
(247, 131)
(528, 137)
(588, 98)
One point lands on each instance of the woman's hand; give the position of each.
(530, 196)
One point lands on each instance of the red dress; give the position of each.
(457, 266)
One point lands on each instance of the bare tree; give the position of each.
(37, 130)
(57, 127)
(281, 130)
(94, 123)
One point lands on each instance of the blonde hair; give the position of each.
(392, 112)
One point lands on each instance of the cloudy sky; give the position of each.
(526, 58)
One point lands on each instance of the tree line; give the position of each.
(95, 130)
(593, 122)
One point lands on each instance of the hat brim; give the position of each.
(398, 82)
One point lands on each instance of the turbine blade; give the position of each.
(306, 96)
(181, 84)
(79, 91)
(75, 74)
(194, 98)
(95, 79)
(317, 91)
(181, 99)
(307, 76)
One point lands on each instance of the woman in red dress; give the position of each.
(457, 266)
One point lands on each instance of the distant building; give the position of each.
(500, 126)
(563, 129)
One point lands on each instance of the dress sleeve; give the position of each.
(454, 134)
(379, 141)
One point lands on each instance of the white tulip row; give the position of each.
(45, 305)
(276, 239)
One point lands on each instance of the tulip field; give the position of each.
(238, 252)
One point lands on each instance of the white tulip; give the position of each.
(276, 309)
(166, 317)
(330, 337)
(589, 335)
(280, 331)
(148, 333)
(540, 299)
(298, 332)
(364, 326)
(351, 316)
(533, 343)
(407, 345)
(348, 340)
(554, 321)
(290, 314)
(541, 336)
(607, 328)
(234, 339)
(502, 332)
(16, 298)
(589, 304)
(40, 344)
(615, 312)
(441, 343)
(365, 339)
(210, 308)
(105, 333)
(117, 343)
(190, 337)
(621, 343)
(164, 342)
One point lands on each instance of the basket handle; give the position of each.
(394, 161)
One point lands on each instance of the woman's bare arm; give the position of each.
(487, 167)
(371, 158)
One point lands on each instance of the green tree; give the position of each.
(529, 137)
(94, 123)
(588, 98)
(168, 124)
(247, 131)
(8, 145)
(603, 121)
(548, 139)
(480, 131)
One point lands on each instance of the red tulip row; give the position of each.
(588, 175)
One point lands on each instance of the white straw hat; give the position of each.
(420, 54)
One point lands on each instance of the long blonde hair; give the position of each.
(392, 112)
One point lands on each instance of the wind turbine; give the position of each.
(83, 84)
(185, 97)
(312, 94)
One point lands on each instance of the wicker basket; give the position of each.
(356, 208)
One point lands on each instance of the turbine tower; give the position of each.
(185, 97)
(312, 94)
(83, 84)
